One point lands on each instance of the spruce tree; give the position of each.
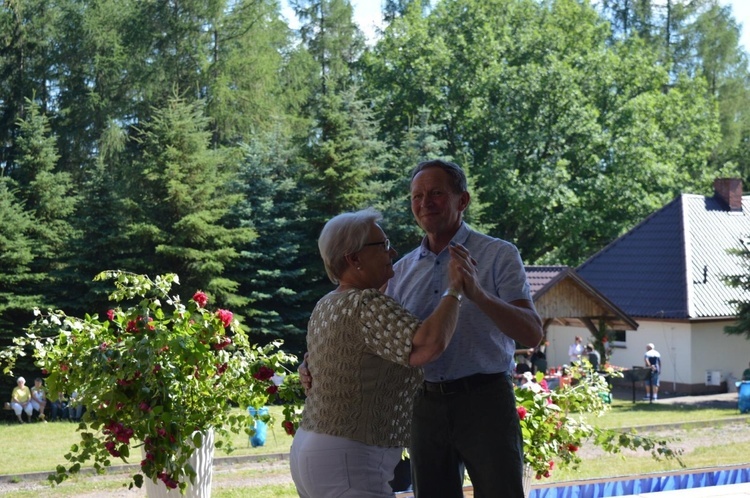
(48, 196)
(268, 267)
(180, 190)
(18, 282)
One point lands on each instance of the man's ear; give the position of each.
(464, 201)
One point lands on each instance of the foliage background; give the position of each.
(209, 139)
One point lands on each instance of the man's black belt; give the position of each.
(464, 384)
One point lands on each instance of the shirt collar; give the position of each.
(461, 236)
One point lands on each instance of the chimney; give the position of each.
(729, 190)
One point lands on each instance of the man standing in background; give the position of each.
(652, 359)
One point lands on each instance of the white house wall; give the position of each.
(713, 350)
(688, 350)
(672, 340)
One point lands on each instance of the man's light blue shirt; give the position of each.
(478, 346)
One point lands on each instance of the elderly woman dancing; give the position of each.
(364, 353)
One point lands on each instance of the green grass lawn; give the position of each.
(40, 447)
(628, 414)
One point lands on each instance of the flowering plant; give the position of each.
(554, 427)
(157, 375)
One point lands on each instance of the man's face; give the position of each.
(436, 207)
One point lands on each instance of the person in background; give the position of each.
(364, 352)
(746, 374)
(58, 407)
(652, 360)
(20, 400)
(566, 377)
(523, 365)
(593, 356)
(575, 350)
(75, 407)
(39, 397)
(539, 358)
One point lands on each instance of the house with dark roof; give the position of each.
(562, 297)
(667, 274)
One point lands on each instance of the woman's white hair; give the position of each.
(344, 234)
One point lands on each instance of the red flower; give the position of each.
(572, 448)
(111, 315)
(200, 298)
(288, 427)
(167, 480)
(272, 389)
(225, 317)
(144, 406)
(132, 326)
(110, 445)
(221, 369)
(521, 412)
(264, 373)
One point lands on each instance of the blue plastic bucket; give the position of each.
(260, 427)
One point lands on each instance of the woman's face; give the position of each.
(375, 260)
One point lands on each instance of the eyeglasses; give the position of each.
(386, 243)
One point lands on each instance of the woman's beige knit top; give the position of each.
(363, 387)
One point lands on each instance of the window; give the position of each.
(619, 338)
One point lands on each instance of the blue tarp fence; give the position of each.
(646, 484)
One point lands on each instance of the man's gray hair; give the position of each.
(458, 177)
(344, 234)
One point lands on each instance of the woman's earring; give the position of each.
(359, 268)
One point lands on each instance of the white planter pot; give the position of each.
(202, 461)
(528, 474)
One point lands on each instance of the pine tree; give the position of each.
(268, 267)
(102, 222)
(48, 196)
(16, 257)
(180, 190)
(420, 143)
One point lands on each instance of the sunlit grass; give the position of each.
(628, 414)
(603, 466)
(39, 447)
